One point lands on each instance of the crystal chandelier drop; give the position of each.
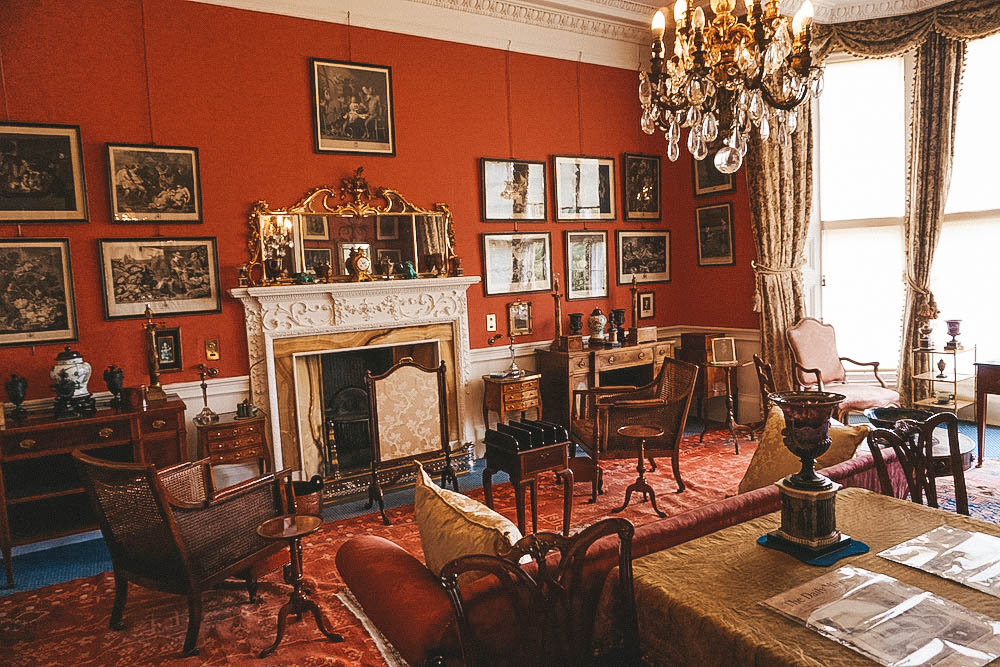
(728, 76)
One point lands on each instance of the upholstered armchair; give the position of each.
(170, 531)
(599, 412)
(818, 365)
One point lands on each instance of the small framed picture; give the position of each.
(345, 249)
(724, 350)
(586, 264)
(517, 263)
(392, 254)
(353, 108)
(585, 187)
(313, 257)
(168, 349)
(316, 228)
(41, 173)
(647, 305)
(154, 183)
(715, 235)
(644, 256)
(386, 228)
(37, 305)
(519, 318)
(641, 178)
(512, 190)
(709, 180)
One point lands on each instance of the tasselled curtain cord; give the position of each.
(761, 270)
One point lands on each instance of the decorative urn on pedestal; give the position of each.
(954, 329)
(17, 389)
(575, 323)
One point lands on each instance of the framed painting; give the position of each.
(586, 264)
(517, 263)
(641, 180)
(519, 318)
(715, 235)
(643, 255)
(149, 183)
(585, 187)
(41, 173)
(175, 276)
(168, 349)
(313, 257)
(512, 190)
(709, 180)
(724, 350)
(386, 228)
(392, 254)
(344, 251)
(647, 305)
(352, 108)
(316, 228)
(36, 300)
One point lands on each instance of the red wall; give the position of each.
(236, 84)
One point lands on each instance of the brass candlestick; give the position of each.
(154, 392)
(557, 307)
(635, 303)
(207, 415)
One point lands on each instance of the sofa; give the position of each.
(408, 605)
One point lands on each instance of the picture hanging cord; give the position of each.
(579, 102)
(145, 63)
(510, 124)
(350, 57)
(3, 88)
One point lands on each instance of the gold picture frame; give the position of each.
(519, 318)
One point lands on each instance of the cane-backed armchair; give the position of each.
(170, 531)
(818, 365)
(599, 412)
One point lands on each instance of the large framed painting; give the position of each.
(512, 190)
(41, 173)
(715, 234)
(175, 276)
(154, 183)
(352, 108)
(36, 292)
(708, 180)
(641, 179)
(517, 263)
(585, 187)
(644, 255)
(586, 264)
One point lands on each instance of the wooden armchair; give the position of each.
(546, 606)
(817, 364)
(170, 531)
(599, 412)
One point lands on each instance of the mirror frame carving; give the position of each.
(352, 199)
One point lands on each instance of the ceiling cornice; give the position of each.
(845, 11)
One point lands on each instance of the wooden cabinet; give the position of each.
(506, 395)
(232, 440)
(41, 495)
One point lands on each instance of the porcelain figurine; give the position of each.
(77, 371)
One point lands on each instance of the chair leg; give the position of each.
(652, 464)
(118, 610)
(675, 464)
(194, 624)
(251, 585)
(377, 491)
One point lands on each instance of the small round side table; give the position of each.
(293, 527)
(640, 433)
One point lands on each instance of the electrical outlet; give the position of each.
(212, 349)
(491, 322)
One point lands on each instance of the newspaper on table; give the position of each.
(969, 558)
(890, 622)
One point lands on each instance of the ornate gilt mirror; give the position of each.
(322, 237)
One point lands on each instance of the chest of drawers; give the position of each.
(232, 440)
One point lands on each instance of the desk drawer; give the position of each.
(231, 431)
(623, 358)
(521, 405)
(59, 437)
(158, 422)
(230, 444)
(663, 351)
(519, 388)
(514, 397)
(239, 455)
(545, 458)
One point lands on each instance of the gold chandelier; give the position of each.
(728, 76)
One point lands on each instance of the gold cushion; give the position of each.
(453, 525)
(772, 460)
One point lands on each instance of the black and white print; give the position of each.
(715, 235)
(41, 173)
(647, 305)
(36, 292)
(515, 263)
(709, 180)
(315, 228)
(586, 264)
(154, 183)
(512, 190)
(314, 257)
(585, 187)
(642, 187)
(353, 107)
(168, 349)
(643, 255)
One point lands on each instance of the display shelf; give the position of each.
(958, 369)
(931, 375)
(950, 405)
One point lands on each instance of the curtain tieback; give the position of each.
(761, 270)
(925, 307)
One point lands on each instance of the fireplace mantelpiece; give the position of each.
(299, 311)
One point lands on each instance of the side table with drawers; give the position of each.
(232, 440)
(510, 395)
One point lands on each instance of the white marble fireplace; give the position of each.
(287, 323)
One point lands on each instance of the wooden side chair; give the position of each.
(408, 421)
(546, 606)
(765, 381)
(913, 442)
(817, 364)
(170, 531)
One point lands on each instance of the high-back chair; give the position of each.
(817, 364)
(765, 383)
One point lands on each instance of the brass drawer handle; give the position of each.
(611, 360)
(581, 363)
(642, 355)
(105, 433)
(158, 424)
(27, 443)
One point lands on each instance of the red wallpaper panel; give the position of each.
(236, 85)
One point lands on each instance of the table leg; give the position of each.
(534, 504)
(704, 422)
(488, 487)
(519, 503)
(567, 480)
(730, 419)
(980, 421)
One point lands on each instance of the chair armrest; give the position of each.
(638, 403)
(873, 364)
(189, 482)
(815, 371)
(586, 399)
(282, 479)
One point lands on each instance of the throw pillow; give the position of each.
(772, 460)
(453, 525)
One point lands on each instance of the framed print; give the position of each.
(41, 173)
(36, 297)
(392, 254)
(313, 257)
(644, 255)
(516, 263)
(709, 180)
(512, 190)
(519, 318)
(168, 349)
(724, 350)
(154, 183)
(175, 276)
(715, 235)
(316, 228)
(386, 228)
(647, 305)
(641, 178)
(344, 250)
(585, 187)
(352, 108)
(586, 264)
